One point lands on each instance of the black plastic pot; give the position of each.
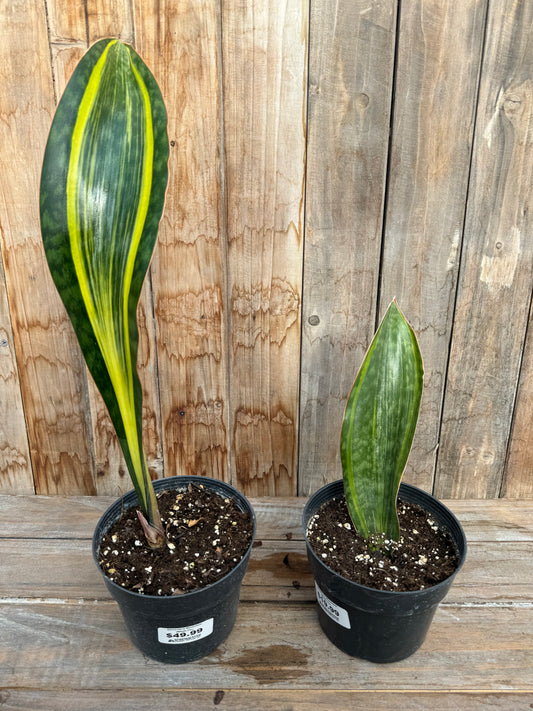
(186, 627)
(371, 624)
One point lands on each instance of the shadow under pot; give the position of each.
(372, 624)
(182, 628)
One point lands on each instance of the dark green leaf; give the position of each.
(379, 425)
(102, 193)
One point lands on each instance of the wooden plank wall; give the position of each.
(325, 158)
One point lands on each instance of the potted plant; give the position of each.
(175, 574)
(383, 553)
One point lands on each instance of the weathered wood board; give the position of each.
(56, 612)
(276, 646)
(259, 698)
(264, 87)
(438, 67)
(496, 274)
(189, 261)
(348, 133)
(51, 369)
(15, 466)
(518, 477)
(324, 159)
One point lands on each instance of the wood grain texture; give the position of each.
(496, 276)
(52, 373)
(271, 646)
(349, 115)
(56, 613)
(75, 517)
(437, 74)
(65, 57)
(43, 540)
(110, 18)
(66, 21)
(323, 157)
(265, 699)
(181, 44)
(264, 84)
(518, 475)
(16, 476)
(54, 569)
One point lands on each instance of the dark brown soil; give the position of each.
(207, 536)
(424, 555)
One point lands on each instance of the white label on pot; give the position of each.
(185, 635)
(338, 614)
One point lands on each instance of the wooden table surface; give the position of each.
(63, 645)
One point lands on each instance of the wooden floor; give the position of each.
(63, 645)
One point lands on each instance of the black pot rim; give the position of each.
(160, 485)
(406, 489)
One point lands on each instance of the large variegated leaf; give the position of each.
(102, 192)
(379, 425)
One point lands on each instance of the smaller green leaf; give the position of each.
(379, 425)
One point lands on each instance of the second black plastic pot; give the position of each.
(187, 627)
(372, 624)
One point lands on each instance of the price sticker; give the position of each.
(338, 614)
(185, 635)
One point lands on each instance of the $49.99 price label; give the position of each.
(185, 635)
(337, 613)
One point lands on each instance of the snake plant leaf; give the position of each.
(379, 425)
(103, 185)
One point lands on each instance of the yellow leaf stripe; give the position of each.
(98, 281)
